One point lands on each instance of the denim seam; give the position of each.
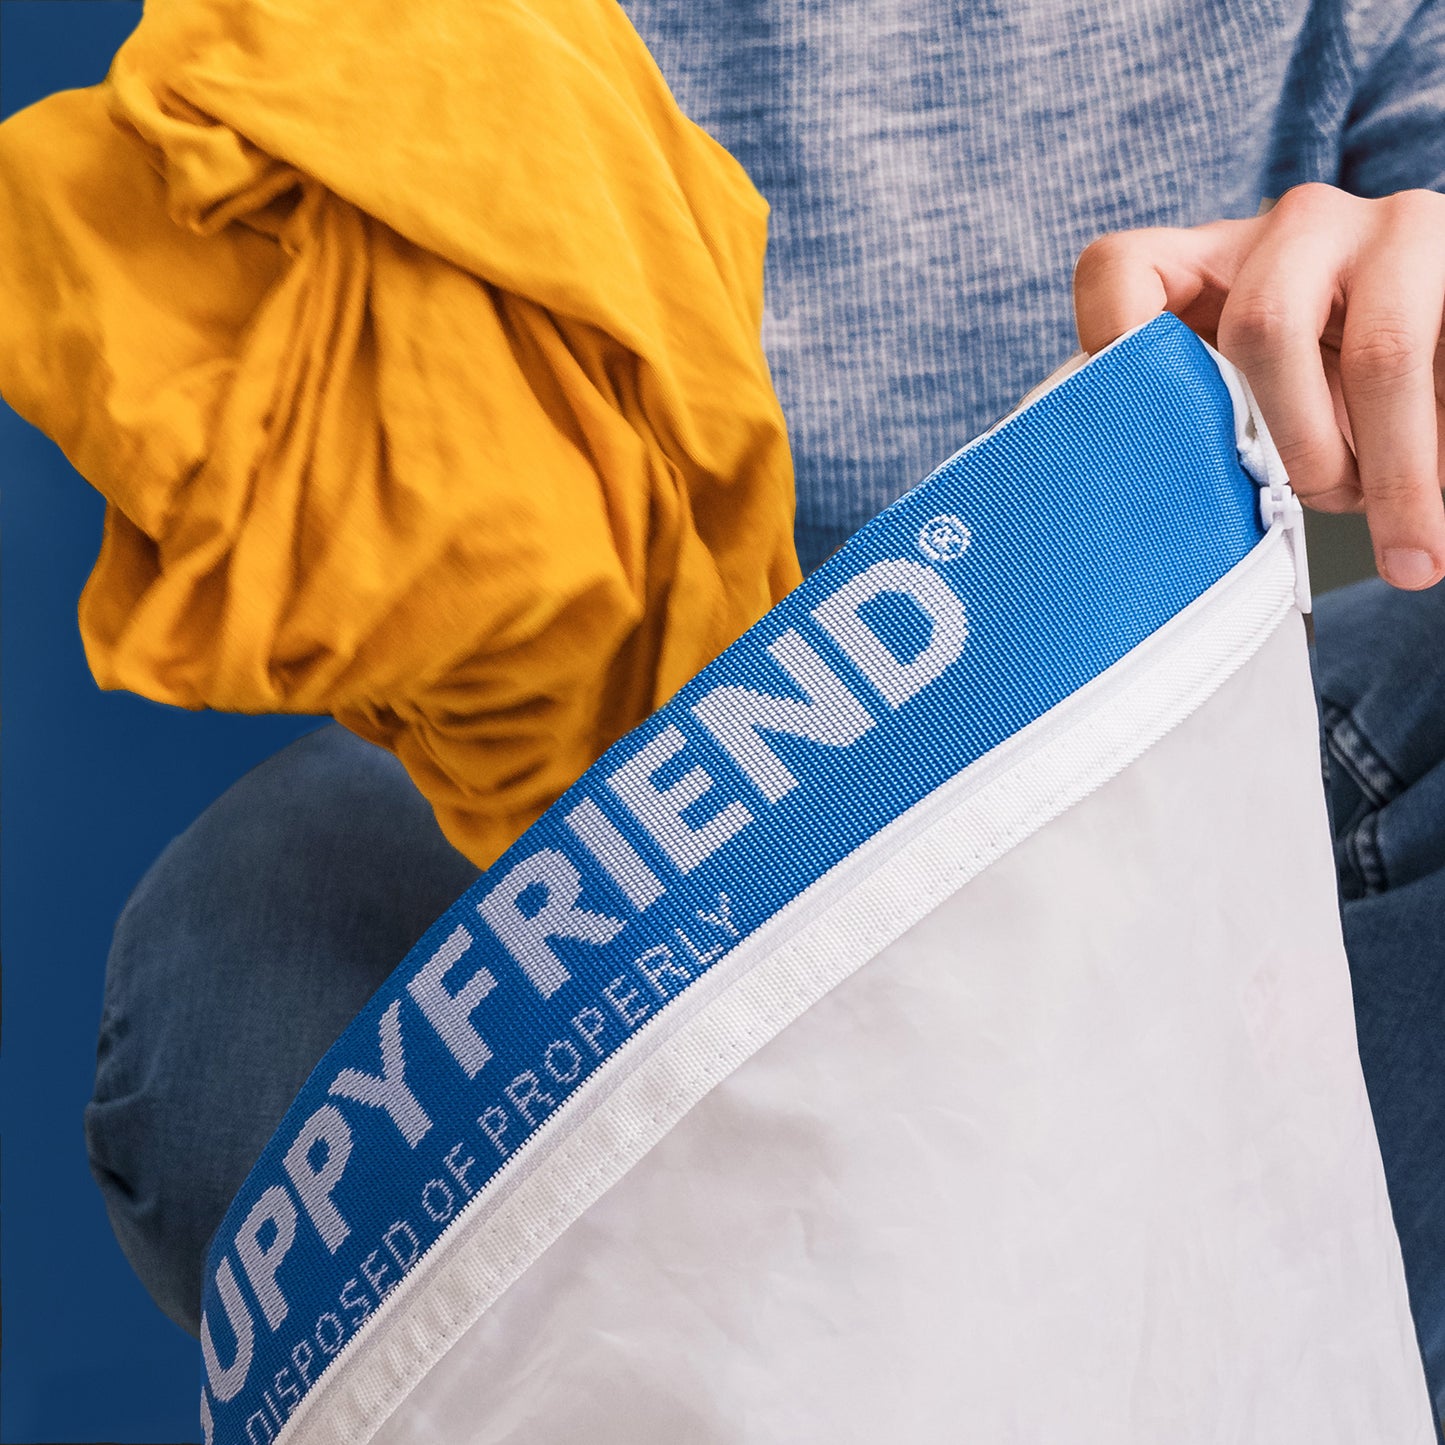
(1369, 860)
(1348, 743)
(1375, 778)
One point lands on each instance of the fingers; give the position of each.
(1440, 404)
(1394, 303)
(1127, 278)
(1270, 326)
(1361, 430)
(1118, 284)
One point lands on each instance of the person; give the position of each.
(934, 173)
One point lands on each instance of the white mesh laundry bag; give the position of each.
(932, 1025)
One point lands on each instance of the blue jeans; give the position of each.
(1380, 673)
(271, 920)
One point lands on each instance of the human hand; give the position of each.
(1333, 308)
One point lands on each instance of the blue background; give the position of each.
(94, 784)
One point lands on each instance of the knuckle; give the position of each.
(1104, 254)
(1309, 201)
(1312, 467)
(1254, 323)
(1390, 488)
(1383, 354)
(1415, 207)
(1334, 497)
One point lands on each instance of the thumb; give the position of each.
(1127, 278)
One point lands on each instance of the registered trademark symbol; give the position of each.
(943, 538)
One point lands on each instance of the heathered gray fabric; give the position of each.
(934, 171)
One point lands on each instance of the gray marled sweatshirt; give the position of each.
(934, 171)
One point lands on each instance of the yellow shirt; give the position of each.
(415, 348)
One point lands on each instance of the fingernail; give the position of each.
(1408, 567)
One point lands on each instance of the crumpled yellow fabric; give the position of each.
(415, 346)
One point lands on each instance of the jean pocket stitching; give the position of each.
(1369, 859)
(1349, 746)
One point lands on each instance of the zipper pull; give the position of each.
(1258, 455)
(1279, 507)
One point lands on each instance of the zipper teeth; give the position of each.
(805, 909)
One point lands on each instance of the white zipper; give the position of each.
(1278, 504)
(1279, 507)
